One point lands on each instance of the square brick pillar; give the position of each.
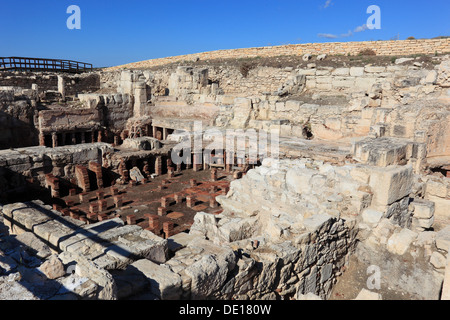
(131, 219)
(162, 211)
(168, 228)
(153, 223)
(190, 201)
(170, 172)
(158, 166)
(193, 182)
(118, 201)
(41, 140)
(54, 140)
(214, 174)
(102, 205)
(178, 198)
(213, 202)
(164, 202)
(114, 191)
(97, 169)
(93, 208)
(197, 165)
(82, 178)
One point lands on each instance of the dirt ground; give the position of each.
(335, 61)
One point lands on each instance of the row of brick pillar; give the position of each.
(99, 137)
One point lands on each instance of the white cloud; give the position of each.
(350, 33)
(327, 35)
(361, 28)
(327, 4)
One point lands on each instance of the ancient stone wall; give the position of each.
(49, 81)
(387, 48)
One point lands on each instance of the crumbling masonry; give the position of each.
(94, 207)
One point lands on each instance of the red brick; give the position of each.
(114, 191)
(193, 182)
(70, 203)
(162, 211)
(190, 201)
(93, 208)
(102, 205)
(102, 217)
(72, 192)
(131, 220)
(100, 195)
(83, 197)
(118, 201)
(178, 198)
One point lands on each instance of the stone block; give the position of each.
(423, 209)
(443, 239)
(391, 184)
(164, 283)
(371, 216)
(400, 242)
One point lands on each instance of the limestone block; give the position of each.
(298, 181)
(400, 242)
(107, 289)
(208, 275)
(443, 239)
(442, 207)
(423, 209)
(315, 222)
(164, 283)
(368, 295)
(341, 72)
(436, 188)
(391, 184)
(446, 286)
(356, 71)
(371, 69)
(438, 260)
(371, 216)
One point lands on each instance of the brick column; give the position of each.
(153, 223)
(118, 201)
(162, 211)
(170, 172)
(103, 205)
(168, 228)
(41, 139)
(82, 178)
(214, 174)
(158, 166)
(54, 140)
(178, 198)
(131, 219)
(190, 201)
(197, 161)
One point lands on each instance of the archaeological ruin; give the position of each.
(297, 172)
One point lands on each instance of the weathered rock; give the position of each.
(164, 283)
(207, 275)
(399, 242)
(368, 295)
(443, 239)
(53, 268)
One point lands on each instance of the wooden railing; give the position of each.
(39, 64)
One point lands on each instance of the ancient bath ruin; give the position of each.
(347, 195)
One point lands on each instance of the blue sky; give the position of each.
(116, 32)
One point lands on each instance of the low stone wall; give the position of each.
(382, 48)
(74, 84)
(23, 168)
